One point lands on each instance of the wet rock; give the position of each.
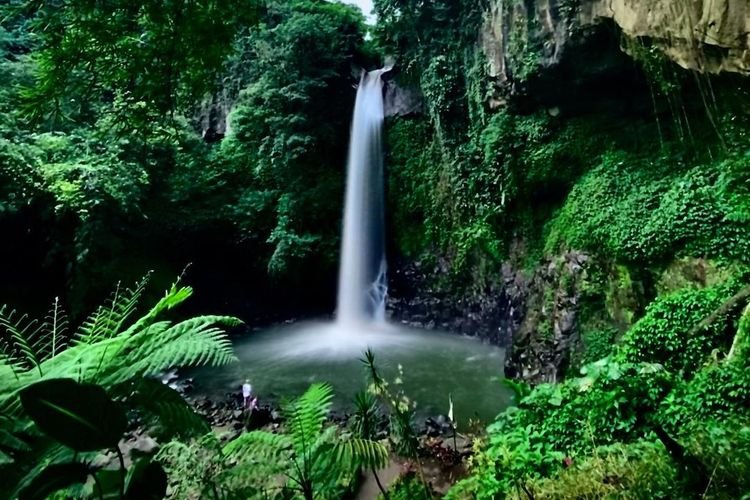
(144, 444)
(709, 36)
(412, 302)
(402, 101)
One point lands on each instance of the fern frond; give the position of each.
(11, 445)
(192, 467)
(307, 415)
(256, 459)
(365, 417)
(255, 462)
(364, 452)
(16, 332)
(166, 412)
(9, 370)
(257, 444)
(321, 459)
(194, 342)
(54, 335)
(47, 454)
(173, 297)
(108, 319)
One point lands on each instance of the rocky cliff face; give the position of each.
(523, 38)
(552, 319)
(400, 101)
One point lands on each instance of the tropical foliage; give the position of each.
(103, 108)
(668, 425)
(146, 135)
(64, 391)
(310, 459)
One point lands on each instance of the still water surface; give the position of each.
(284, 361)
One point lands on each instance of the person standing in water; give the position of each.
(247, 390)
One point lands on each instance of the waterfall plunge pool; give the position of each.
(283, 361)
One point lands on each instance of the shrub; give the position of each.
(611, 403)
(408, 487)
(647, 210)
(719, 391)
(309, 459)
(671, 333)
(638, 470)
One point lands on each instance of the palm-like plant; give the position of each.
(108, 349)
(403, 435)
(365, 425)
(310, 460)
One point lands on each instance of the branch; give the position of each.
(734, 301)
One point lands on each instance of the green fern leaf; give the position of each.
(11, 445)
(194, 342)
(365, 452)
(257, 444)
(108, 319)
(307, 414)
(16, 332)
(10, 371)
(174, 297)
(54, 338)
(157, 348)
(48, 454)
(257, 459)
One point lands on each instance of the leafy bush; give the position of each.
(21, 180)
(507, 462)
(645, 210)
(724, 448)
(671, 331)
(611, 403)
(408, 487)
(598, 344)
(717, 392)
(300, 71)
(642, 469)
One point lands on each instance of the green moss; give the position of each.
(622, 297)
(410, 163)
(523, 51)
(690, 272)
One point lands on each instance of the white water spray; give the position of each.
(362, 271)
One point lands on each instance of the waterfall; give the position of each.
(362, 272)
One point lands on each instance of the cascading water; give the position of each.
(362, 278)
(286, 360)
